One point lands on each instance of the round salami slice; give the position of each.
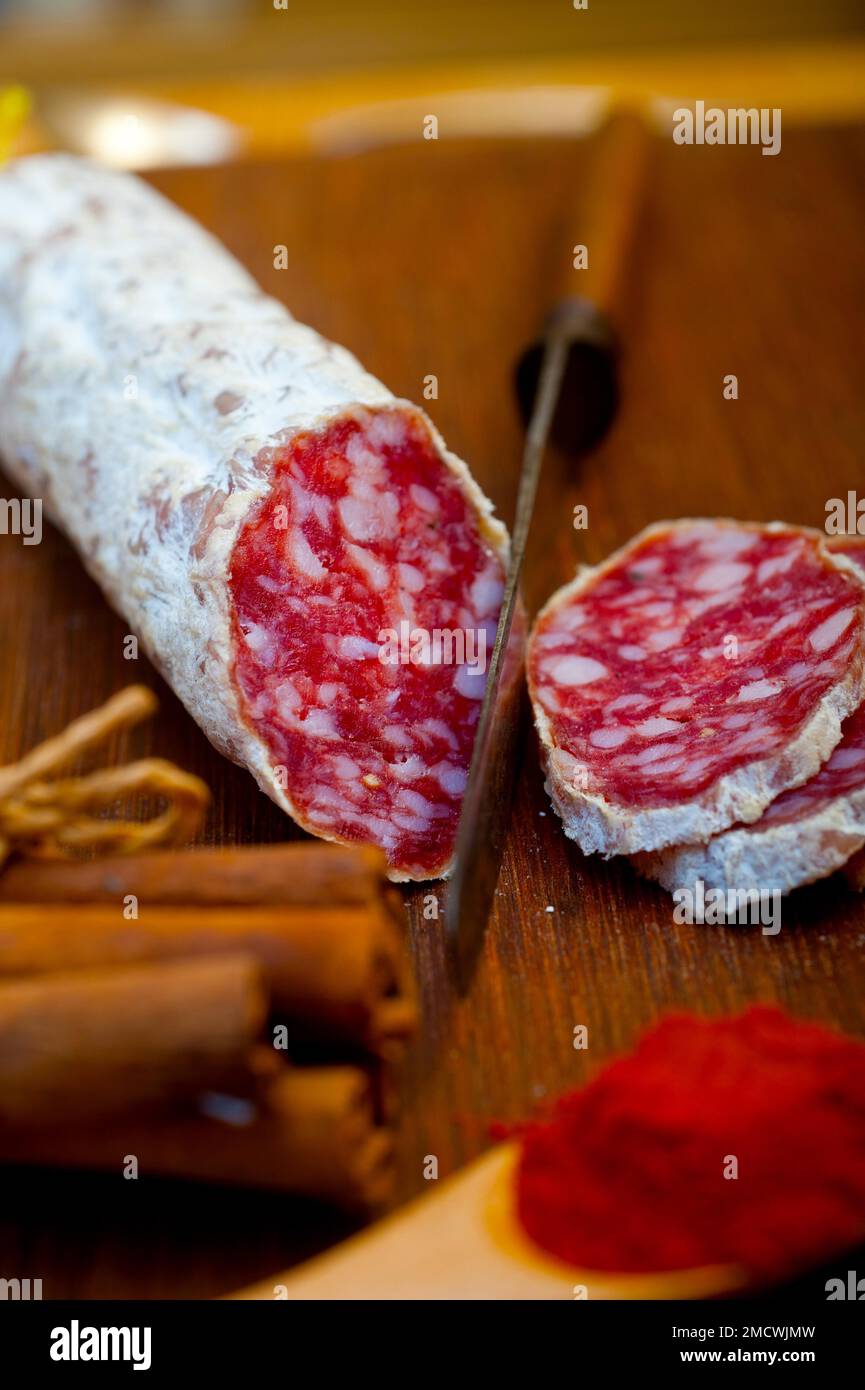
(679, 687)
(805, 834)
(316, 576)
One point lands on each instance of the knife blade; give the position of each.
(489, 791)
(577, 347)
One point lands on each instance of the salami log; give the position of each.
(683, 684)
(804, 835)
(317, 577)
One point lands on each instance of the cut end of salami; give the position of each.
(313, 572)
(365, 600)
(679, 687)
(804, 835)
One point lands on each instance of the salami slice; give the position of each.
(314, 573)
(684, 683)
(805, 834)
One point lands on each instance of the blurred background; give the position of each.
(147, 82)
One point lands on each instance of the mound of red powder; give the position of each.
(628, 1174)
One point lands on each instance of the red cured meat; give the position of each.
(165, 489)
(365, 531)
(805, 834)
(704, 668)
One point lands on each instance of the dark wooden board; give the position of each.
(435, 258)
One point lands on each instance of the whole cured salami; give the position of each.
(804, 835)
(314, 573)
(679, 687)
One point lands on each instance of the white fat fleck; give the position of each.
(650, 728)
(259, 640)
(827, 634)
(668, 767)
(725, 575)
(698, 607)
(319, 723)
(418, 805)
(654, 753)
(787, 620)
(469, 683)
(575, 670)
(736, 721)
(777, 564)
(322, 510)
(848, 757)
(375, 571)
(485, 594)
(361, 456)
(287, 701)
(660, 609)
(632, 700)
(396, 735)
(423, 498)
(345, 767)
(304, 557)
(386, 429)
(633, 598)
(259, 707)
(356, 648)
(758, 690)
(401, 609)
(451, 779)
(651, 564)
(409, 577)
(301, 501)
(370, 519)
(328, 692)
(719, 542)
(612, 736)
(436, 562)
(570, 619)
(269, 585)
(437, 728)
(383, 831)
(689, 771)
(631, 653)
(662, 641)
(410, 770)
(678, 702)
(414, 824)
(828, 668)
(752, 740)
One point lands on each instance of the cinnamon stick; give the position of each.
(331, 973)
(313, 1133)
(91, 1044)
(299, 873)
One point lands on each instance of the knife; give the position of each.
(567, 385)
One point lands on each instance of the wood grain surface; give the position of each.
(436, 258)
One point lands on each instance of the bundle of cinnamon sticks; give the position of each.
(228, 1015)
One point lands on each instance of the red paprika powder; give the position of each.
(636, 1171)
